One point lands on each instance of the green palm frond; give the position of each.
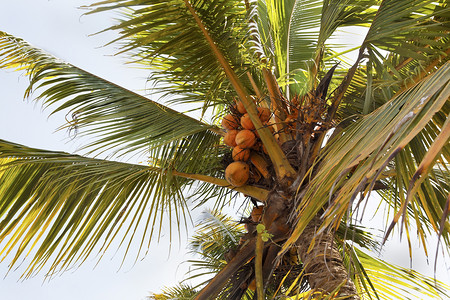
(215, 234)
(54, 202)
(377, 279)
(66, 205)
(121, 121)
(409, 28)
(338, 14)
(406, 41)
(287, 25)
(312, 26)
(353, 162)
(179, 292)
(164, 35)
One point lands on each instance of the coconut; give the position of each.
(263, 114)
(241, 108)
(230, 138)
(245, 139)
(240, 154)
(237, 173)
(230, 122)
(246, 122)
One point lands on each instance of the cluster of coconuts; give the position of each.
(242, 137)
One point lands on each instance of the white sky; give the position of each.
(57, 27)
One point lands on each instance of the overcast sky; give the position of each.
(58, 27)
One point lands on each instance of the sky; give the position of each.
(58, 27)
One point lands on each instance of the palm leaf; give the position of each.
(380, 280)
(179, 292)
(396, 60)
(164, 34)
(366, 147)
(69, 206)
(398, 24)
(288, 25)
(117, 118)
(66, 205)
(216, 235)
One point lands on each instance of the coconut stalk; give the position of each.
(259, 252)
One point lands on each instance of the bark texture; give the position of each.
(323, 264)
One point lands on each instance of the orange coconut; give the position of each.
(230, 122)
(240, 107)
(263, 114)
(240, 154)
(246, 122)
(237, 173)
(230, 138)
(245, 139)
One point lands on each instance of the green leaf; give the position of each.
(164, 35)
(121, 121)
(409, 27)
(62, 207)
(387, 281)
(353, 161)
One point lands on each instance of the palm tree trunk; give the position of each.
(323, 264)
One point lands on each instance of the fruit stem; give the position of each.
(277, 106)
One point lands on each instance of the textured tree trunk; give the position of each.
(323, 264)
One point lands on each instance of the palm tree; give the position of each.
(335, 131)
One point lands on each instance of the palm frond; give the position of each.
(377, 279)
(355, 160)
(59, 208)
(215, 235)
(164, 35)
(288, 25)
(121, 121)
(399, 50)
(179, 292)
(409, 28)
(70, 206)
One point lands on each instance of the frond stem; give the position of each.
(252, 191)
(278, 106)
(259, 252)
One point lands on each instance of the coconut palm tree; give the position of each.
(324, 134)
